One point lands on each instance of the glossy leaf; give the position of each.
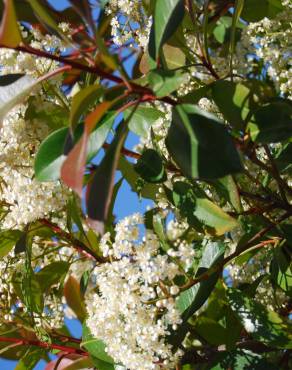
(74, 298)
(226, 187)
(82, 101)
(192, 299)
(174, 56)
(100, 189)
(146, 190)
(233, 101)
(200, 212)
(50, 156)
(8, 239)
(200, 144)
(255, 11)
(55, 116)
(30, 359)
(14, 89)
(94, 346)
(142, 119)
(165, 82)
(168, 15)
(150, 166)
(210, 330)
(281, 269)
(52, 274)
(79, 364)
(272, 123)
(283, 159)
(72, 170)
(9, 31)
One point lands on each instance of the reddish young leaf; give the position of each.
(9, 31)
(73, 297)
(73, 168)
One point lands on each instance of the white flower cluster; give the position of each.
(25, 198)
(270, 40)
(130, 24)
(134, 305)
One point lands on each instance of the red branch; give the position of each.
(146, 93)
(48, 346)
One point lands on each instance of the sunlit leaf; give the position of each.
(73, 297)
(72, 170)
(200, 144)
(167, 17)
(9, 31)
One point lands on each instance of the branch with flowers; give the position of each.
(201, 277)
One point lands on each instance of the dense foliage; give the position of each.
(202, 279)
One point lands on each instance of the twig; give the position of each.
(246, 246)
(92, 69)
(75, 243)
(48, 346)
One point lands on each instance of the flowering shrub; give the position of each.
(202, 279)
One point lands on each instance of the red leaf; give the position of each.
(72, 170)
(9, 31)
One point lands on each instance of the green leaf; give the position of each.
(238, 6)
(130, 175)
(73, 297)
(50, 156)
(102, 365)
(100, 189)
(142, 120)
(281, 269)
(283, 160)
(200, 144)
(150, 166)
(262, 324)
(14, 88)
(200, 212)
(194, 96)
(55, 116)
(272, 123)
(226, 187)
(255, 11)
(83, 100)
(165, 82)
(80, 364)
(31, 293)
(168, 15)
(233, 100)
(9, 31)
(210, 330)
(220, 32)
(192, 299)
(21, 243)
(94, 346)
(52, 274)
(8, 239)
(174, 56)
(73, 168)
(29, 360)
